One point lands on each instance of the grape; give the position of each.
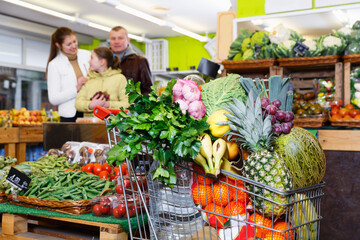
(289, 116)
(280, 115)
(277, 128)
(277, 103)
(291, 124)
(285, 128)
(264, 102)
(273, 119)
(271, 109)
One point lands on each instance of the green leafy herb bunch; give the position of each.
(159, 123)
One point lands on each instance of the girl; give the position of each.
(105, 86)
(67, 65)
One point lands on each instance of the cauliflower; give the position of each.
(345, 30)
(331, 41)
(289, 44)
(311, 44)
(279, 34)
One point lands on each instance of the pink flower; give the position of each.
(183, 105)
(197, 109)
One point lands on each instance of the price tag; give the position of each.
(18, 179)
(300, 48)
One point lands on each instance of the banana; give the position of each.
(219, 148)
(206, 149)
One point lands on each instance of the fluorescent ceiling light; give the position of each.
(190, 34)
(70, 18)
(152, 19)
(41, 9)
(140, 14)
(341, 16)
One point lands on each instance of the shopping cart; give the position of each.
(198, 207)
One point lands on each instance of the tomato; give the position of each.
(107, 167)
(97, 169)
(124, 168)
(132, 211)
(69, 169)
(89, 167)
(349, 106)
(336, 116)
(82, 168)
(343, 112)
(117, 171)
(357, 116)
(121, 209)
(96, 210)
(354, 113)
(104, 174)
(334, 111)
(119, 189)
(104, 209)
(116, 212)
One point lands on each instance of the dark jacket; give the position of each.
(137, 68)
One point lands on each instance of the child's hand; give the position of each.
(99, 100)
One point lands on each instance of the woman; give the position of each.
(105, 86)
(66, 68)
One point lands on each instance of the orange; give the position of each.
(222, 194)
(202, 194)
(347, 117)
(336, 116)
(349, 106)
(214, 219)
(281, 226)
(263, 221)
(334, 111)
(357, 116)
(200, 179)
(343, 112)
(234, 209)
(239, 195)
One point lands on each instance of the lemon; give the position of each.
(216, 117)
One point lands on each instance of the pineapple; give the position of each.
(263, 165)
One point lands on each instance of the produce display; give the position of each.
(281, 43)
(355, 86)
(338, 111)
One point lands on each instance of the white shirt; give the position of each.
(62, 81)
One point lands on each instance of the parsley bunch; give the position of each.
(158, 122)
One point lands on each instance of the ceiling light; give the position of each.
(71, 18)
(40, 9)
(341, 16)
(190, 34)
(155, 20)
(140, 14)
(257, 22)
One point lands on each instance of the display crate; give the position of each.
(262, 68)
(350, 61)
(302, 73)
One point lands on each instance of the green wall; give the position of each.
(185, 52)
(246, 8)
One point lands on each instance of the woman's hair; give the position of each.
(58, 37)
(112, 60)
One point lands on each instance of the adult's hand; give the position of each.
(81, 81)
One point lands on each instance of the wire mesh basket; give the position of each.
(227, 208)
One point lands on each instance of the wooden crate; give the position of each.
(303, 75)
(15, 226)
(262, 68)
(350, 61)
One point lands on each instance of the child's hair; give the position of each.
(112, 60)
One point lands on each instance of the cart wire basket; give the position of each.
(231, 207)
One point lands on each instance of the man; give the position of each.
(132, 66)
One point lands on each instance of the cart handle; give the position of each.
(102, 113)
